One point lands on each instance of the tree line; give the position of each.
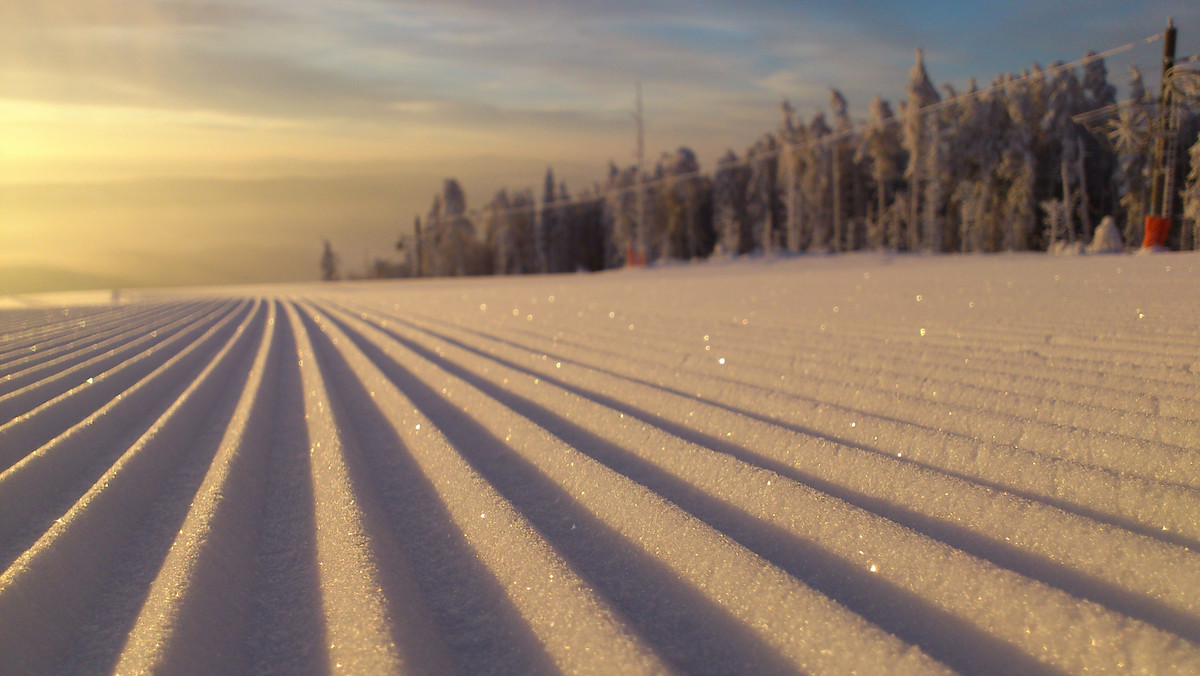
(1034, 161)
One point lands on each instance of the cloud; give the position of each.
(499, 69)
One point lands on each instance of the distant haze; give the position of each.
(138, 232)
(164, 142)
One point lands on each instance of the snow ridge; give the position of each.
(904, 465)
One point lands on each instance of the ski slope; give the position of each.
(975, 464)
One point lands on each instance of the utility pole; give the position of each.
(1158, 221)
(640, 250)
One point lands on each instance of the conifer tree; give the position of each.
(1064, 99)
(329, 263)
(730, 218)
(762, 198)
(880, 148)
(1018, 166)
(844, 180)
(1191, 197)
(921, 93)
(620, 215)
(1129, 135)
(547, 223)
(792, 150)
(817, 185)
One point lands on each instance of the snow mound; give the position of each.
(1107, 238)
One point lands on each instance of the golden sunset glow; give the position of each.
(151, 142)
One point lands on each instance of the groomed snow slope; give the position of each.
(818, 465)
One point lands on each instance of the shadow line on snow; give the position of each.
(288, 631)
(476, 619)
(48, 361)
(1078, 510)
(80, 469)
(53, 408)
(1006, 555)
(686, 629)
(1144, 530)
(155, 530)
(942, 635)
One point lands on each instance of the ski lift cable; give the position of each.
(1005, 82)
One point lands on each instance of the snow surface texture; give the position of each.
(820, 465)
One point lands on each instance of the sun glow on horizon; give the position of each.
(165, 140)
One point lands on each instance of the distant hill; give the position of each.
(39, 278)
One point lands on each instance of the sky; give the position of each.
(163, 142)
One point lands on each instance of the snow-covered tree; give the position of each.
(845, 180)
(1056, 211)
(411, 245)
(1064, 99)
(730, 219)
(816, 185)
(500, 237)
(455, 249)
(1097, 159)
(684, 191)
(329, 263)
(563, 237)
(1191, 195)
(762, 199)
(915, 125)
(620, 215)
(1129, 136)
(1018, 165)
(588, 243)
(792, 141)
(546, 223)
(880, 149)
(936, 174)
(972, 126)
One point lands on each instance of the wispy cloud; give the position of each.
(492, 92)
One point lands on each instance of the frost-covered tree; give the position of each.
(565, 233)
(546, 224)
(1097, 159)
(971, 126)
(1064, 99)
(522, 219)
(1017, 168)
(730, 219)
(684, 191)
(1129, 136)
(793, 152)
(451, 247)
(412, 246)
(846, 200)
(936, 174)
(881, 150)
(501, 236)
(763, 208)
(816, 185)
(1055, 211)
(620, 215)
(916, 120)
(589, 245)
(979, 172)
(329, 263)
(1191, 195)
